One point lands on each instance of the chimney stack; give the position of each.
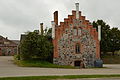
(77, 10)
(99, 33)
(6, 37)
(56, 17)
(41, 26)
(53, 29)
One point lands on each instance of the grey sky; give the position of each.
(19, 16)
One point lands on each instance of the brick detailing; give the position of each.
(71, 32)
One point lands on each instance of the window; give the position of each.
(77, 47)
(79, 32)
(75, 32)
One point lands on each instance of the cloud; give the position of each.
(18, 16)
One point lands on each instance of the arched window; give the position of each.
(77, 48)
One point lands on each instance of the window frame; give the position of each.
(77, 48)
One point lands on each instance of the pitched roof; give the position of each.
(16, 41)
(6, 41)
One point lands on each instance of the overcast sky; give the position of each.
(19, 16)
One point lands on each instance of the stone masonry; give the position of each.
(74, 32)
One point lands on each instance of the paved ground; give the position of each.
(8, 69)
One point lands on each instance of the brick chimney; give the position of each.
(56, 17)
(53, 29)
(99, 33)
(77, 10)
(41, 26)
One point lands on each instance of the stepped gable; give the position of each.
(75, 41)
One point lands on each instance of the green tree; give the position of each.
(45, 48)
(49, 31)
(105, 33)
(28, 45)
(110, 41)
(36, 46)
(114, 40)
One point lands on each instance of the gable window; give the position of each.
(77, 48)
(79, 32)
(75, 31)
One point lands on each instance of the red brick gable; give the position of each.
(71, 32)
(67, 21)
(85, 24)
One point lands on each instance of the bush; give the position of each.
(36, 46)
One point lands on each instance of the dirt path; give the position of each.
(8, 69)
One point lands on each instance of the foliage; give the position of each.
(114, 39)
(35, 46)
(44, 48)
(105, 29)
(49, 31)
(28, 46)
(110, 40)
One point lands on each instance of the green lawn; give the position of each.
(59, 77)
(43, 64)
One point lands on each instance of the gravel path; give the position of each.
(8, 69)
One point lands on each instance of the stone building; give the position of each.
(8, 47)
(75, 40)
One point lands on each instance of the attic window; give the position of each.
(75, 31)
(79, 32)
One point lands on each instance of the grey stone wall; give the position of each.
(66, 48)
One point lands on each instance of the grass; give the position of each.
(60, 77)
(109, 59)
(42, 64)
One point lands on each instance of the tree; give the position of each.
(36, 46)
(110, 41)
(49, 32)
(44, 48)
(28, 45)
(114, 40)
(105, 30)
